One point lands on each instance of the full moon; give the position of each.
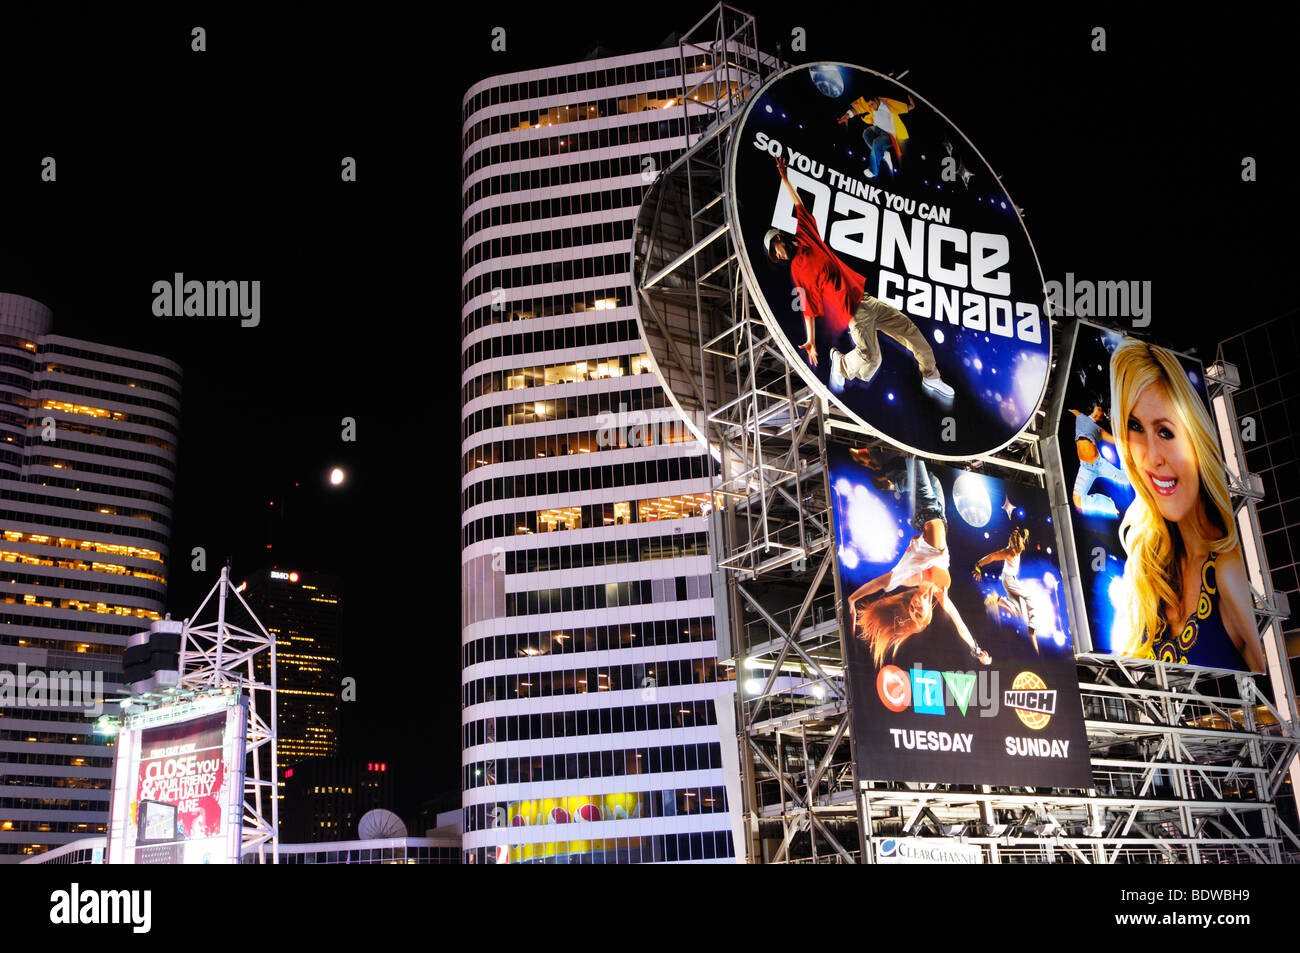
(336, 476)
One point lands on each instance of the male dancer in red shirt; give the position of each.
(838, 293)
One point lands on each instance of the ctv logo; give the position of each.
(928, 691)
(1033, 702)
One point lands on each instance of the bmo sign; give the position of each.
(287, 576)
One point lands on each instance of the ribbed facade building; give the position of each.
(589, 663)
(88, 438)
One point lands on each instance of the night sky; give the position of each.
(225, 165)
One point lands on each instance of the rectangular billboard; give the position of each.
(1159, 559)
(960, 656)
(178, 786)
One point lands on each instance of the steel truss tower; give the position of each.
(221, 655)
(1186, 766)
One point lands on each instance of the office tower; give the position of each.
(88, 439)
(304, 611)
(589, 662)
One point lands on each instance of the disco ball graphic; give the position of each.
(828, 79)
(970, 496)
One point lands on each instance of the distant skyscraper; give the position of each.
(589, 662)
(88, 438)
(324, 798)
(304, 611)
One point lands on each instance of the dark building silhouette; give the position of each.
(304, 611)
(326, 797)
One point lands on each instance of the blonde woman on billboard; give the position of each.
(1189, 601)
(920, 579)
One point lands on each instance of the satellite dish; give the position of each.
(380, 824)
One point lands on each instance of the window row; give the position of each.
(582, 479)
(546, 306)
(582, 809)
(666, 64)
(564, 408)
(75, 503)
(547, 375)
(48, 622)
(643, 164)
(555, 206)
(46, 781)
(597, 638)
(579, 109)
(551, 339)
(581, 765)
(63, 349)
(47, 827)
(171, 390)
(85, 486)
(40, 757)
(650, 434)
(84, 545)
(97, 449)
(90, 581)
(608, 595)
(607, 552)
(64, 522)
(666, 124)
(592, 721)
(76, 426)
(93, 467)
(49, 804)
(499, 282)
(642, 677)
(658, 849)
(577, 236)
(557, 519)
(79, 390)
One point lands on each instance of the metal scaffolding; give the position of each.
(1186, 764)
(221, 655)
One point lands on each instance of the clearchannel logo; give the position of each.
(923, 850)
(932, 692)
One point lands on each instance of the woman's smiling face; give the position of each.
(1162, 454)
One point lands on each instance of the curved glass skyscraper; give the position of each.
(88, 439)
(589, 661)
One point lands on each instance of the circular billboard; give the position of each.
(888, 261)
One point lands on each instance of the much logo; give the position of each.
(1033, 701)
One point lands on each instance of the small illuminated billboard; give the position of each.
(178, 784)
(888, 261)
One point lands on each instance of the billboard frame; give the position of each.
(776, 571)
(760, 303)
